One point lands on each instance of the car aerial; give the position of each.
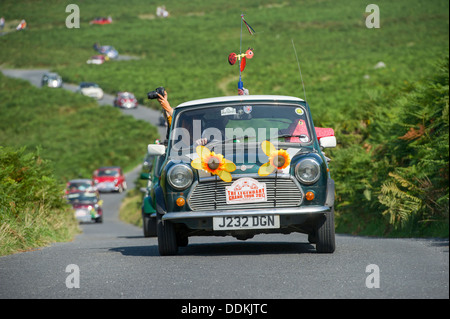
(109, 179)
(90, 89)
(240, 166)
(51, 80)
(87, 206)
(125, 100)
(80, 185)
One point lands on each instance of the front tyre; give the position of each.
(325, 240)
(167, 239)
(149, 225)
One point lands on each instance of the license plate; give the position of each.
(246, 222)
(83, 215)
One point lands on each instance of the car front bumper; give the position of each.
(107, 187)
(297, 217)
(85, 215)
(306, 210)
(128, 105)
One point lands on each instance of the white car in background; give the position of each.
(90, 89)
(97, 59)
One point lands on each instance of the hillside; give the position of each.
(362, 82)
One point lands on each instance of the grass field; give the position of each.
(187, 54)
(71, 130)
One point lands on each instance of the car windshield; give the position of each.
(82, 198)
(51, 77)
(107, 172)
(82, 185)
(126, 95)
(240, 123)
(89, 85)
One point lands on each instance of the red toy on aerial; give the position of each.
(233, 57)
(242, 57)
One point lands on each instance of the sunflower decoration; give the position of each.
(213, 163)
(278, 159)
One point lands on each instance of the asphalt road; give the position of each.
(114, 260)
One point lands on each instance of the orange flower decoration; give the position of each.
(213, 163)
(278, 159)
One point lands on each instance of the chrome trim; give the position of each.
(211, 180)
(314, 163)
(190, 177)
(243, 98)
(221, 213)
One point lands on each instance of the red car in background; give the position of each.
(109, 179)
(101, 20)
(125, 100)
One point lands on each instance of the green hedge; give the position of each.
(394, 171)
(33, 211)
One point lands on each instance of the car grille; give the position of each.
(287, 194)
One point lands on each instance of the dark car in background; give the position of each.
(152, 165)
(87, 206)
(80, 185)
(51, 80)
(107, 50)
(244, 165)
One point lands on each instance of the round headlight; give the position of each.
(307, 171)
(180, 176)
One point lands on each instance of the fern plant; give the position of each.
(418, 186)
(397, 196)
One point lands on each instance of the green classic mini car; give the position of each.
(240, 166)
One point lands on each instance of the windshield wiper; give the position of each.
(290, 135)
(215, 142)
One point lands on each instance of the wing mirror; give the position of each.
(156, 149)
(328, 142)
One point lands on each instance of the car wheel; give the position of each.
(148, 225)
(326, 242)
(167, 239)
(99, 219)
(312, 238)
(182, 241)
